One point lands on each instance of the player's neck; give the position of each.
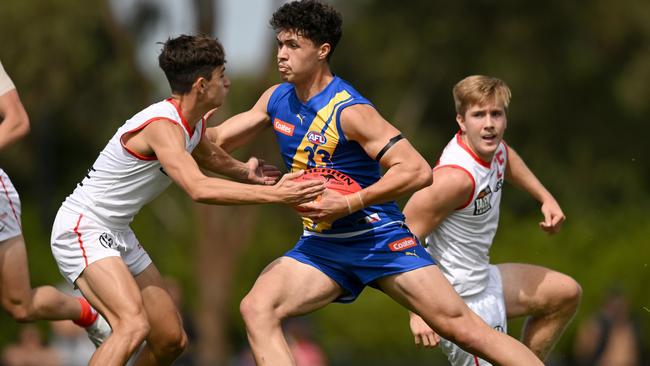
(314, 84)
(188, 108)
(485, 157)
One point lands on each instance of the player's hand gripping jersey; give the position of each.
(310, 136)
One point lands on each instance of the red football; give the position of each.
(333, 179)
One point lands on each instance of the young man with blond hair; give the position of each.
(458, 214)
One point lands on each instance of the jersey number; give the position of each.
(323, 155)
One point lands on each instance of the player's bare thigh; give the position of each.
(530, 290)
(163, 315)
(293, 288)
(14, 271)
(111, 289)
(425, 291)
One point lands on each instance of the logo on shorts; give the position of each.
(107, 241)
(402, 244)
(412, 254)
(499, 328)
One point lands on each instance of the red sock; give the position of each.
(88, 314)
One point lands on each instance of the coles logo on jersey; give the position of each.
(283, 127)
(316, 138)
(482, 202)
(402, 244)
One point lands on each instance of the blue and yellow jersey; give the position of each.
(310, 136)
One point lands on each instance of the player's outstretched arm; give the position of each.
(166, 141)
(15, 122)
(518, 173)
(212, 157)
(241, 128)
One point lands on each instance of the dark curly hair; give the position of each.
(311, 19)
(185, 58)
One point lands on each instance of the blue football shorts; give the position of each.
(355, 262)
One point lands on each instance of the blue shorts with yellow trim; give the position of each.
(357, 261)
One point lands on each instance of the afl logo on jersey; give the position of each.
(316, 138)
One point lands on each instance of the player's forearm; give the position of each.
(12, 129)
(232, 168)
(401, 179)
(224, 192)
(521, 176)
(220, 162)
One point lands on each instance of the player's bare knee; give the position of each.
(134, 327)
(172, 345)
(257, 312)
(571, 294)
(248, 309)
(565, 297)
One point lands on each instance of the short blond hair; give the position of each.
(478, 90)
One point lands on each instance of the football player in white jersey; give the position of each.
(458, 215)
(18, 298)
(92, 242)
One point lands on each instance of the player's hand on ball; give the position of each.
(329, 207)
(294, 192)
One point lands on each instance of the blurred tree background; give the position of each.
(580, 75)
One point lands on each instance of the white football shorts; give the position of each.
(490, 306)
(77, 241)
(10, 226)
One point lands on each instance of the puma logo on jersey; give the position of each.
(412, 254)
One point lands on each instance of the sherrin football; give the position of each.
(333, 179)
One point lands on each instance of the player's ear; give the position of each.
(324, 50)
(200, 84)
(461, 121)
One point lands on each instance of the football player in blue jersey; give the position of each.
(350, 240)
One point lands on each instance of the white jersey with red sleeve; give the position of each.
(461, 243)
(121, 181)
